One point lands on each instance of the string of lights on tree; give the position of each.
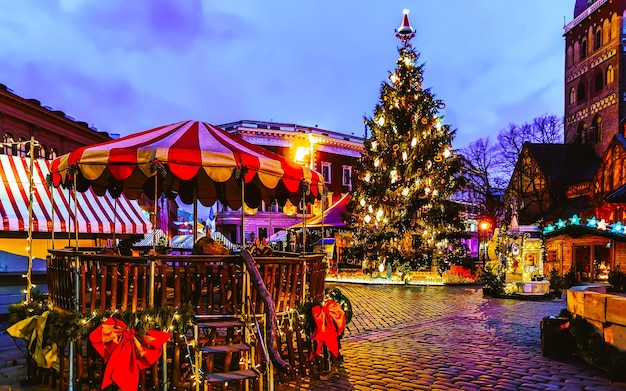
(402, 210)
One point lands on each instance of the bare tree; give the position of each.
(485, 180)
(543, 130)
(489, 166)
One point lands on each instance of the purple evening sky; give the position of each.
(126, 66)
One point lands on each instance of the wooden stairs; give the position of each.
(225, 354)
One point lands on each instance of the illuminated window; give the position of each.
(572, 96)
(610, 74)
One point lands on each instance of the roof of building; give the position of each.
(567, 163)
(580, 7)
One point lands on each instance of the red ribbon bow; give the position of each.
(330, 321)
(124, 353)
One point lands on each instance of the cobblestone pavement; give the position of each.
(428, 338)
(449, 338)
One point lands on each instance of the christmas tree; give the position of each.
(401, 210)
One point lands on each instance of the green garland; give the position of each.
(63, 327)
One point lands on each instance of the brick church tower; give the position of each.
(595, 88)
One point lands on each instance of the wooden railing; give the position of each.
(214, 285)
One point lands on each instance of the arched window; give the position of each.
(572, 96)
(22, 147)
(52, 153)
(606, 29)
(583, 49)
(581, 93)
(595, 132)
(610, 74)
(597, 39)
(598, 82)
(7, 141)
(581, 133)
(569, 59)
(41, 152)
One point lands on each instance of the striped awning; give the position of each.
(96, 215)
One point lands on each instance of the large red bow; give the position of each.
(124, 353)
(330, 321)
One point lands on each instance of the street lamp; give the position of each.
(484, 226)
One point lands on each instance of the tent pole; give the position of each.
(29, 282)
(154, 231)
(114, 219)
(52, 214)
(75, 212)
(156, 211)
(303, 223)
(195, 213)
(69, 223)
(243, 231)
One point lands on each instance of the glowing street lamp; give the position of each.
(484, 227)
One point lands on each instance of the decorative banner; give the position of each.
(330, 321)
(32, 330)
(125, 353)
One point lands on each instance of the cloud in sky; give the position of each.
(126, 66)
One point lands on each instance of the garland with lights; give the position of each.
(62, 327)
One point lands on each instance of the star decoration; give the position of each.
(575, 219)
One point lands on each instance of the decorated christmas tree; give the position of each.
(402, 213)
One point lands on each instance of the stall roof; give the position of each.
(96, 215)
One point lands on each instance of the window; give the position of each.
(326, 172)
(7, 140)
(346, 178)
(52, 153)
(610, 74)
(597, 84)
(583, 49)
(597, 39)
(22, 147)
(581, 92)
(572, 96)
(581, 133)
(595, 132)
(41, 152)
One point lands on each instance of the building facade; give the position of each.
(594, 81)
(330, 153)
(54, 132)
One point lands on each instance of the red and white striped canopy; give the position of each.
(96, 215)
(190, 159)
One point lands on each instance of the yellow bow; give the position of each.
(32, 330)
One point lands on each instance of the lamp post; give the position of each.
(483, 228)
